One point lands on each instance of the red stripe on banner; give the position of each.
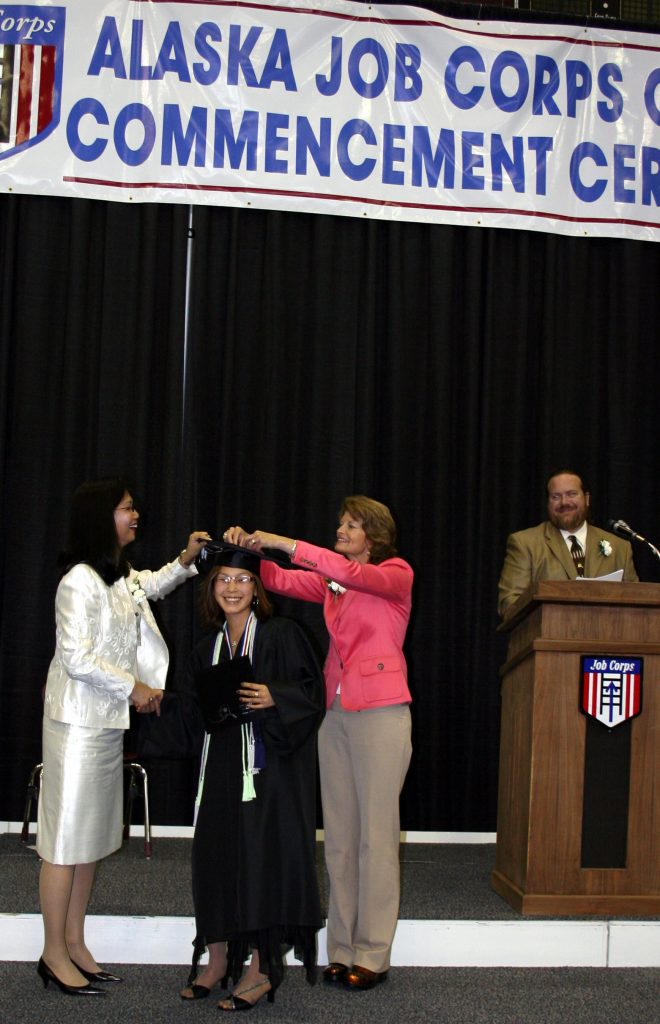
(442, 26)
(179, 186)
(24, 108)
(46, 83)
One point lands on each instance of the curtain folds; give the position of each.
(443, 370)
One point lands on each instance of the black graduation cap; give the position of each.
(219, 552)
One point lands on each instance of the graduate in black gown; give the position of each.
(255, 888)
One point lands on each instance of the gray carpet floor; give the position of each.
(449, 882)
(438, 882)
(411, 995)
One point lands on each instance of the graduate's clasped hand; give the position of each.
(255, 695)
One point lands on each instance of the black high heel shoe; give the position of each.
(46, 975)
(242, 1004)
(95, 976)
(201, 991)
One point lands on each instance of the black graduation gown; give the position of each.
(254, 863)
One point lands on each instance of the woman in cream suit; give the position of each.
(364, 741)
(109, 653)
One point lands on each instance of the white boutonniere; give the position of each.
(336, 588)
(605, 548)
(135, 590)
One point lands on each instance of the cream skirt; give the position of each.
(81, 799)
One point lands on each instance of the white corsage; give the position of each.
(336, 588)
(137, 597)
(605, 548)
(135, 590)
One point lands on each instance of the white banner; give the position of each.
(333, 107)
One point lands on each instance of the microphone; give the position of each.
(621, 527)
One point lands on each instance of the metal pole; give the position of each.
(186, 317)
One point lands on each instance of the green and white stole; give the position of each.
(247, 728)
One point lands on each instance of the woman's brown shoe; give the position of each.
(361, 979)
(334, 973)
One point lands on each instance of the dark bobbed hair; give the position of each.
(92, 534)
(211, 613)
(377, 523)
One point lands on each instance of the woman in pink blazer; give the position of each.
(364, 741)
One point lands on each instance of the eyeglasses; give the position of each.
(555, 499)
(242, 580)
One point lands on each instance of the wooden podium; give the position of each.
(540, 861)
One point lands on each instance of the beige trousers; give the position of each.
(363, 757)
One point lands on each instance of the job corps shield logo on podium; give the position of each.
(31, 60)
(611, 688)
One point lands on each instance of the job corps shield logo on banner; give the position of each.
(31, 58)
(612, 688)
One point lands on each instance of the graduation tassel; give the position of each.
(202, 768)
(247, 738)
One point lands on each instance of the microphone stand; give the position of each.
(623, 530)
(653, 549)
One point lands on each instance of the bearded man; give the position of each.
(563, 547)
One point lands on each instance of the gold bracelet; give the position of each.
(292, 553)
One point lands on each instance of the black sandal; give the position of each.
(242, 1004)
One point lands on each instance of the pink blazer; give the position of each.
(367, 624)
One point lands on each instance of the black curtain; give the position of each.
(443, 370)
(91, 383)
